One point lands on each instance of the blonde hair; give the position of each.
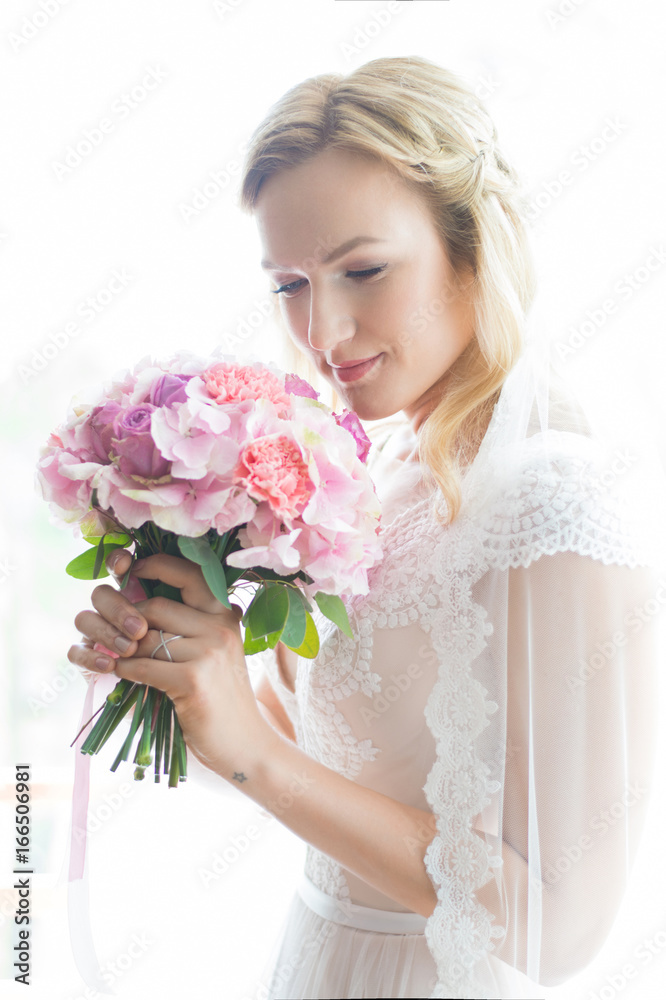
(429, 126)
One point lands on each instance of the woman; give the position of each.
(451, 768)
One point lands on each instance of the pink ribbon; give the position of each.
(79, 828)
(78, 903)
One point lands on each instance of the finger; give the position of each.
(180, 649)
(120, 613)
(99, 630)
(172, 678)
(118, 562)
(174, 617)
(87, 674)
(84, 656)
(183, 574)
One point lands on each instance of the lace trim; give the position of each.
(556, 506)
(558, 502)
(460, 930)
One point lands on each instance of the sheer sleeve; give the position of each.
(548, 785)
(581, 650)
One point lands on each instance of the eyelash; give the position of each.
(357, 275)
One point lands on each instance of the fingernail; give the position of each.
(122, 643)
(132, 625)
(102, 663)
(114, 557)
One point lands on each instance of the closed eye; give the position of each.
(293, 286)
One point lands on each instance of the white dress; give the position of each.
(472, 691)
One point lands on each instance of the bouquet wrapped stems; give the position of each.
(157, 713)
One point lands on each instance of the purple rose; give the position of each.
(101, 429)
(351, 423)
(299, 387)
(134, 446)
(169, 389)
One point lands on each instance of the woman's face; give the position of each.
(361, 273)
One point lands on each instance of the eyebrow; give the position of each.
(333, 255)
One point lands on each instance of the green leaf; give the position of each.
(117, 537)
(310, 645)
(219, 544)
(269, 574)
(294, 630)
(83, 567)
(232, 574)
(252, 645)
(200, 552)
(166, 590)
(306, 604)
(273, 638)
(331, 606)
(99, 557)
(268, 610)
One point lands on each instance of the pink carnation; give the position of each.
(271, 468)
(231, 383)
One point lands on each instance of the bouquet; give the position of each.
(237, 467)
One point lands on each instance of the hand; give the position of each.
(208, 681)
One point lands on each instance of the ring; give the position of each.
(163, 642)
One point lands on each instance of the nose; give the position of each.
(330, 322)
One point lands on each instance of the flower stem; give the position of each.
(123, 753)
(159, 736)
(84, 726)
(142, 756)
(174, 770)
(108, 720)
(167, 734)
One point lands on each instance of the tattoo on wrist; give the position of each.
(239, 776)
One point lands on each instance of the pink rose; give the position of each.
(271, 468)
(231, 383)
(100, 424)
(169, 389)
(133, 444)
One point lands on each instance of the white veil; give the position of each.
(549, 785)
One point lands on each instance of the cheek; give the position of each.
(295, 319)
(409, 314)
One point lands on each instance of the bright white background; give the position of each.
(552, 81)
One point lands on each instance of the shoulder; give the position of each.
(560, 491)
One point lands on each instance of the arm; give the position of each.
(581, 679)
(376, 837)
(272, 708)
(379, 839)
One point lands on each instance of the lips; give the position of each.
(357, 370)
(351, 364)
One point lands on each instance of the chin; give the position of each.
(373, 410)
